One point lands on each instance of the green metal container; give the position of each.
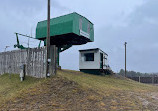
(71, 29)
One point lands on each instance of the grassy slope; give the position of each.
(106, 83)
(76, 90)
(10, 88)
(120, 94)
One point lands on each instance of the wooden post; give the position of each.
(152, 79)
(48, 41)
(125, 60)
(55, 60)
(53, 54)
(139, 78)
(4, 62)
(51, 50)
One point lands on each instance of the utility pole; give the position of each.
(48, 41)
(125, 59)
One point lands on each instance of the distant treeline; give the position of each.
(137, 74)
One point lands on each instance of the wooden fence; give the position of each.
(149, 80)
(34, 59)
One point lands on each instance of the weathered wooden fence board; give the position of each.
(34, 59)
(149, 80)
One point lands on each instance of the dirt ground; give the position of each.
(149, 100)
(61, 94)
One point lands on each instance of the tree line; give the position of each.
(136, 74)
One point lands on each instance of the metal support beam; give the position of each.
(25, 35)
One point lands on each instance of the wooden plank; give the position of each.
(34, 59)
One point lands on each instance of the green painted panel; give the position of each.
(82, 23)
(71, 23)
(58, 29)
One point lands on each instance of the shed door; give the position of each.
(101, 60)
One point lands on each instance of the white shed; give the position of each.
(93, 61)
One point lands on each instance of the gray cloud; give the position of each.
(148, 13)
(141, 36)
(139, 28)
(134, 21)
(22, 16)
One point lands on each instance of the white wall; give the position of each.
(92, 64)
(89, 64)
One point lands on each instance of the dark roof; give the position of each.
(95, 49)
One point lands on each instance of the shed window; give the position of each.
(89, 56)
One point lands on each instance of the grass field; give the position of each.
(73, 90)
(119, 93)
(11, 87)
(105, 83)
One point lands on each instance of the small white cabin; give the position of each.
(93, 60)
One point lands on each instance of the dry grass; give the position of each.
(73, 90)
(106, 83)
(10, 88)
(116, 93)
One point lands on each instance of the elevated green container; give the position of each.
(69, 29)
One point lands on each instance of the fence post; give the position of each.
(152, 79)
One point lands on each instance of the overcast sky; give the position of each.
(115, 21)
